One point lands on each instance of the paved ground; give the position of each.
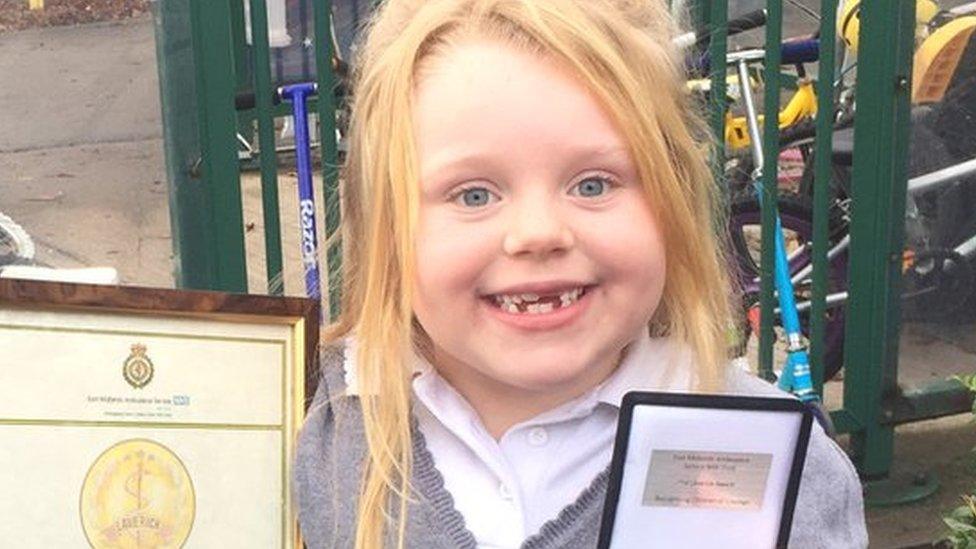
(81, 153)
(81, 168)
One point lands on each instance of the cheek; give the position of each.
(451, 257)
(632, 246)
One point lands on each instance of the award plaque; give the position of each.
(138, 418)
(692, 470)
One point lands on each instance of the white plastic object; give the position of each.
(278, 36)
(87, 275)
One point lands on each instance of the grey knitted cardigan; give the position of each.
(328, 471)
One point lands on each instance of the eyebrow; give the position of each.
(458, 160)
(451, 161)
(464, 158)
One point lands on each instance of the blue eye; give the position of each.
(474, 197)
(591, 186)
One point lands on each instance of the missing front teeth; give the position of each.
(534, 304)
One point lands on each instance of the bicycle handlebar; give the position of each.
(747, 22)
(248, 100)
(792, 52)
(800, 51)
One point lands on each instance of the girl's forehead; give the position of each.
(483, 92)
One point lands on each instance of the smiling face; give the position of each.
(537, 256)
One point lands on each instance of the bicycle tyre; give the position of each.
(16, 246)
(802, 138)
(796, 216)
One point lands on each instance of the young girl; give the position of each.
(528, 212)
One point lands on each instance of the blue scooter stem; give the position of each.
(298, 94)
(796, 372)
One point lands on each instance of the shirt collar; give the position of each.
(649, 364)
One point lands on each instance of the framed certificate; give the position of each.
(704, 471)
(134, 417)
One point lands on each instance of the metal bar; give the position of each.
(831, 254)
(845, 422)
(925, 182)
(752, 120)
(718, 48)
(191, 238)
(754, 54)
(877, 229)
(964, 9)
(241, 52)
(329, 151)
(821, 189)
(830, 301)
(774, 37)
(303, 30)
(937, 399)
(297, 94)
(224, 265)
(967, 248)
(264, 103)
(809, 12)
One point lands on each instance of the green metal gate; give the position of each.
(202, 57)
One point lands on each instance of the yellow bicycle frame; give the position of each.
(802, 106)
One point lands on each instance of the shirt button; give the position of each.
(538, 437)
(504, 492)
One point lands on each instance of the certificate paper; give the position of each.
(149, 418)
(704, 471)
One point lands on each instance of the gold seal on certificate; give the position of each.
(138, 369)
(137, 494)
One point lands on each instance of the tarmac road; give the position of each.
(81, 153)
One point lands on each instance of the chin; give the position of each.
(547, 374)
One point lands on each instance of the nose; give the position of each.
(537, 228)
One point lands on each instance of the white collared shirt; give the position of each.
(507, 489)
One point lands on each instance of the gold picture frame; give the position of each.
(167, 416)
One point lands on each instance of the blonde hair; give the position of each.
(621, 51)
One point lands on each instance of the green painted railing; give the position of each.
(204, 61)
(872, 401)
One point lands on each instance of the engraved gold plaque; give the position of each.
(137, 494)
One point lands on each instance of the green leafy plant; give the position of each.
(962, 524)
(968, 381)
(961, 521)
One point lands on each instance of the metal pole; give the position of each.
(877, 228)
(821, 189)
(264, 103)
(774, 38)
(325, 78)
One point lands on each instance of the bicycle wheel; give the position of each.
(794, 166)
(16, 245)
(796, 217)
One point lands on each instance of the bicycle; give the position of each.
(936, 264)
(16, 246)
